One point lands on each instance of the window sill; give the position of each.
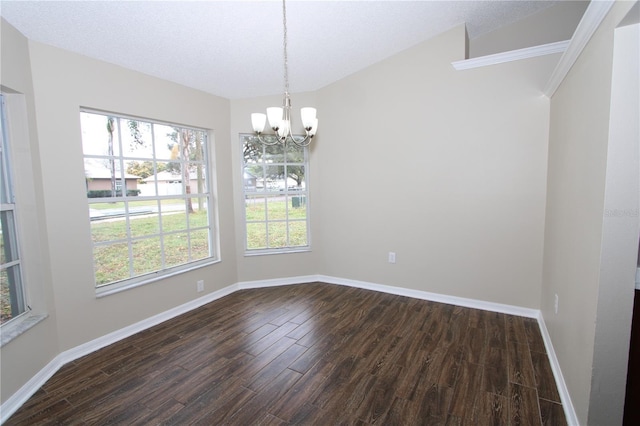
(19, 325)
(277, 251)
(124, 286)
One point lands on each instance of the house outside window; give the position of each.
(141, 231)
(276, 197)
(12, 294)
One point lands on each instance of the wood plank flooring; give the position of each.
(311, 354)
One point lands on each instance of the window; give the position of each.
(276, 196)
(149, 199)
(12, 300)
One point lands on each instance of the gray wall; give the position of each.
(445, 168)
(578, 244)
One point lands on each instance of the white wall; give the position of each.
(619, 234)
(445, 168)
(62, 83)
(32, 350)
(573, 255)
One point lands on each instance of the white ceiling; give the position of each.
(234, 48)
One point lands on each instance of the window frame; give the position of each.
(286, 192)
(210, 206)
(9, 205)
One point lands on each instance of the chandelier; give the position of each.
(280, 118)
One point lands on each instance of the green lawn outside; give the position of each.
(277, 208)
(112, 261)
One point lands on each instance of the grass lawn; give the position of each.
(112, 261)
(182, 245)
(273, 234)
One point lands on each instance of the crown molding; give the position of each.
(512, 55)
(591, 20)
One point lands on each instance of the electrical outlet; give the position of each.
(392, 257)
(200, 286)
(555, 305)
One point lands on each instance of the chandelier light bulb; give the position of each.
(308, 115)
(314, 128)
(258, 121)
(275, 117)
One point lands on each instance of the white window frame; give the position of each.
(8, 205)
(288, 193)
(134, 280)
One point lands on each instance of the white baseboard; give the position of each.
(435, 297)
(14, 402)
(277, 282)
(565, 398)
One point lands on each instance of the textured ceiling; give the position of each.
(234, 48)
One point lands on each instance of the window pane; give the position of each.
(298, 234)
(8, 241)
(174, 215)
(143, 218)
(200, 204)
(277, 234)
(295, 178)
(273, 154)
(255, 208)
(298, 207)
(147, 256)
(176, 249)
(295, 154)
(100, 134)
(200, 244)
(136, 138)
(199, 218)
(252, 150)
(276, 207)
(165, 142)
(11, 298)
(111, 263)
(102, 176)
(109, 212)
(108, 229)
(197, 172)
(275, 180)
(256, 235)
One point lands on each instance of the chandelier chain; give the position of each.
(284, 43)
(281, 124)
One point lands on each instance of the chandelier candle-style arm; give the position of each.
(280, 118)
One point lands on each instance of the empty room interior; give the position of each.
(450, 236)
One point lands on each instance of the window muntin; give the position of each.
(12, 295)
(276, 196)
(162, 222)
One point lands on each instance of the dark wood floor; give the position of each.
(315, 354)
